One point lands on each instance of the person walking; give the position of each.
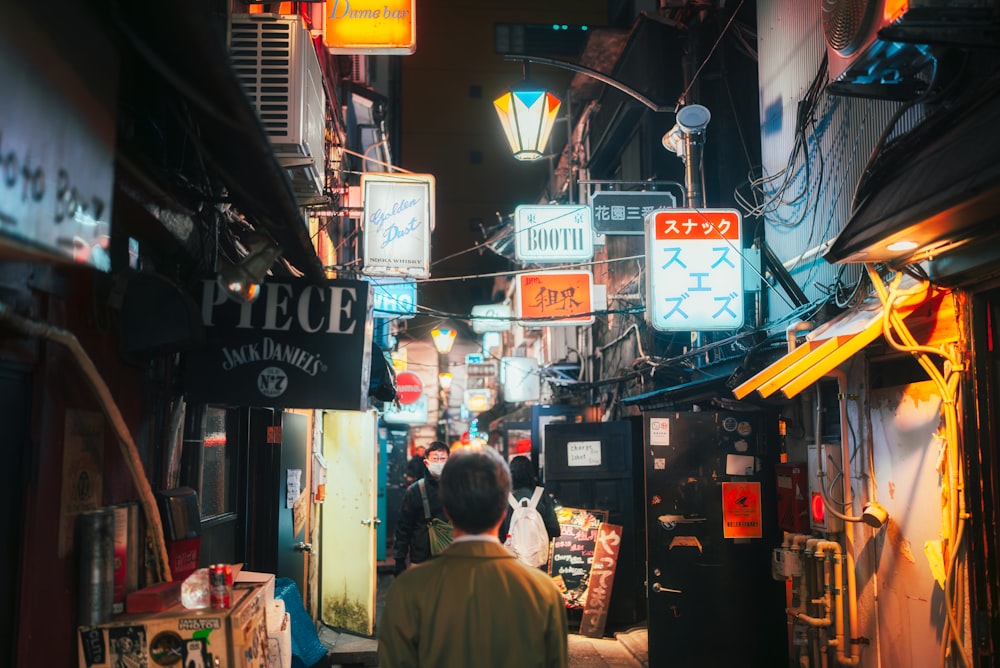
(415, 468)
(420, 513)
(524, 481)
(476, 604)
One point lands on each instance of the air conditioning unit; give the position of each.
(878, 48)
(277, 65)
(359, 69)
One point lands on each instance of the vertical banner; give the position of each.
(695, 267)
(602, 577)
(398, 219)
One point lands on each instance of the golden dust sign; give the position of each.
(386, 27)
(741, 510)
(554, 298)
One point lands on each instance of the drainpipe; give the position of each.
(129, 451)
(792, 332)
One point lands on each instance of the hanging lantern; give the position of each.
(527, 113)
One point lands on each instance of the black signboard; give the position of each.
(573, 552)
(625, 212)
(301, 344)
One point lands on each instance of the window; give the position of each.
(207, 463)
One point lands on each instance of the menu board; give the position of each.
(573, 552)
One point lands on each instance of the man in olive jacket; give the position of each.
(476, 604)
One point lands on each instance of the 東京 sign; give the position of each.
(625, 212)
(695, 270)
(553, 233)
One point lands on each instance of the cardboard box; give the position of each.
(235, 638)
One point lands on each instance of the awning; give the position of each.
(689, 392)
(831, 344)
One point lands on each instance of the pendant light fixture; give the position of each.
(527, 113)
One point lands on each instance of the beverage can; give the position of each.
(220, 586)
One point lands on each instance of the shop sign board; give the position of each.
(555, 298)
(491, 318)
(415, 413)
(378, 27)
(57, 145)
(622, 213)
(394, 298)
(553, 233)
(397, 224)
(520, 378)
(695, 267)
(301, 344)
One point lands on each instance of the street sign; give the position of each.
(695, 270)
(409, 387)
(625, 212)
(553, 233)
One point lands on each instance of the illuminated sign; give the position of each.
(478, 400)
(695, 267)
(394, 298)
(553, 233)
(415, 413)
(625, 212)
(385, 27)
(554, 298)
(409, 387)
(491, 318)
(520, 378)
(398, 219)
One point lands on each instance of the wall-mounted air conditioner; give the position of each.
(881, 48)
(277, 65)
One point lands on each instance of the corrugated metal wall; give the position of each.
(805, 191)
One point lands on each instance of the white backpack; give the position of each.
(527, 537)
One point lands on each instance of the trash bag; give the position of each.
(307, 650)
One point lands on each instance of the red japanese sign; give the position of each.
(556, 298)
(696, 224)
(741, 510)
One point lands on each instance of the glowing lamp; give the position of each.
(527, 114)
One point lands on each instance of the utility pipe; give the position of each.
(129, 451)
(841, 642)
(792, 332)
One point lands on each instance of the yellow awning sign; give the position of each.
(830, 345)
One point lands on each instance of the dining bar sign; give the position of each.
(301, 344)
(398, 219)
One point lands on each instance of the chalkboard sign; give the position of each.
(573, 552)
(602, 577)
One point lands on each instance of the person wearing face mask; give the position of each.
(421, 514)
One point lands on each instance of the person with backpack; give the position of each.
(531, 521)
(422, 530)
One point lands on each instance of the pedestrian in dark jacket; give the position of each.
(411, 541)
(524, 481)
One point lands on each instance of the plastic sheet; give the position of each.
(307, 650)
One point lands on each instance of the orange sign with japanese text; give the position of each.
(370, 26)
(554, 298)
(741, 510)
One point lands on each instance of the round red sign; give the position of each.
(409, 387)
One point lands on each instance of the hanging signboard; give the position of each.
(415, 413)
(553, 233)
(394, 298)
(625, 212)
(695, 270)
(57, 141)
(602, 577)
(301, 344)
(555, 298)
(741, 510)
(409, 387)
(398, 219)
(381, 27)
(520, 378)
(491, 318)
